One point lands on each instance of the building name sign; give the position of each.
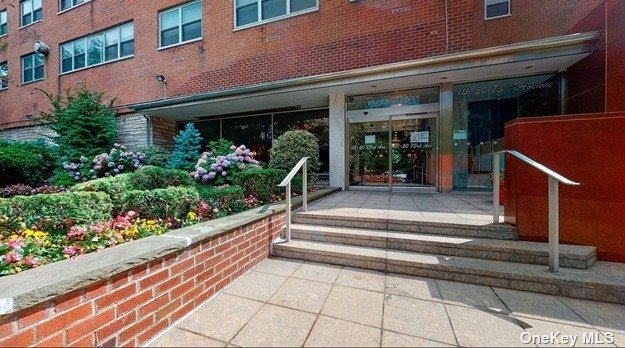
(394, 99)
(503, 87)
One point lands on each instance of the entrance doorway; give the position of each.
(394, 152)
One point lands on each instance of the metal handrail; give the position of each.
(553, 197)
(287, 183)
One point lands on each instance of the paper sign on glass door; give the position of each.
(370, 139)
(420, 137)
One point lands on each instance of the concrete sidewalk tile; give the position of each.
(607, 317)
(362, 279)
(394, 339)
(411, 286)
(302, 294)
(470, 295)
(318, 272)
(281, 267)
(222, 317)
(275, 326)
(181, 338)
(330, 332)
(479, 328)
(360, 306)
(419, 318)
(256, 286)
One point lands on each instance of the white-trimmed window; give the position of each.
(30, 11)
(67, 4)
(248, 12)
(106, 46)
(3, 23)
(32, 67)
(4, 76)
(496, 8)
(180, 24)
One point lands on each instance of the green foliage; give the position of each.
(155, 155)
(58, 210)
(149, 178)
(262, 183)
(187, 145)
(290, 147)
(114, 187)
(229, 199)
(220, 147)
(171, 202)
(28, 163)
(85, 125)
(61, 178)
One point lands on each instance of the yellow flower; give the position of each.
(150, 222)
(191, 216)
(40, 235)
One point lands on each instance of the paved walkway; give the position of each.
(285, 302)
(464, 208)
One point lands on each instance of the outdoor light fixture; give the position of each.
(161, 79)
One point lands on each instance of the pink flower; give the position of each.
(30, 261)
(76, 232)
(121, 223)
(71, 251)
(17, 243)
(11, 257)
(131, 214)
(98, 228)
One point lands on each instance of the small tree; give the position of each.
(187, 145)
(84, 124)
(291, 146)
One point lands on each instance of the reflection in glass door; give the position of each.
(369, 153)
(413, 159)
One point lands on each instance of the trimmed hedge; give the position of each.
(149, 178)
(262, 183)
(29, 163)
(173, 202)
(229, 199)
(114, 186)
(58, 210)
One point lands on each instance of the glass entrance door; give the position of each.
(369, 153)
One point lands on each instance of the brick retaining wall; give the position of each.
(131, 307)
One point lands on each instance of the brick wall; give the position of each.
(130, 308)
(163, 132)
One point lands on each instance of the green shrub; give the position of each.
(187, 145)
(174, 202)
(149, 178)
(220, 147)
(114, 187)
(28, 163)
(58, 210)
(290, 147)
(155, 155)
(229, 199)
(61, 178)
(84, 123)
(262, 183)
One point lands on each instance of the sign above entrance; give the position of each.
(393, 99)
(420, 137)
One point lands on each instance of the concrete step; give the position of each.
(571, 256)
(462, 228)
(604, 281)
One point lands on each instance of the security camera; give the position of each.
(42, 48)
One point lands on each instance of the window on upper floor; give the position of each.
(32, 67)
(30, 11)
(496, 8)
(4, 76)
(106, 46)
(249, 12)
(3, 23)
(181, 24)
(67, 4)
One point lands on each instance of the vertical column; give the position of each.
(338, 137)
(445, 154)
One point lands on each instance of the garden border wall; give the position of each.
(126, 295)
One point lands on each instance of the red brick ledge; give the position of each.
(124, 296)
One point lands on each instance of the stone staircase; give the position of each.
(481, 254)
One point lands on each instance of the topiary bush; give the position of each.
(57, 211)
(149, 178)
(171, 202)
(290, 147)
(114, 187)
(155, 155)
(30, 163)
(228, 199)
(262, 183)
(187, 146)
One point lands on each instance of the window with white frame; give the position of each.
(3, 22)
(247, 12)
(106, 46)
(30, 11)
(181, 24)
(4, 76)
(496, 8)
(32, 67)
(67, 4)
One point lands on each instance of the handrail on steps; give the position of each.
(553, 197)
(287, 183)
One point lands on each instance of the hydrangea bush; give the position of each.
(218, 169)
(117, 161)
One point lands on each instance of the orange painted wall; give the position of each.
(588, 148)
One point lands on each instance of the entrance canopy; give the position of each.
(526, 58)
